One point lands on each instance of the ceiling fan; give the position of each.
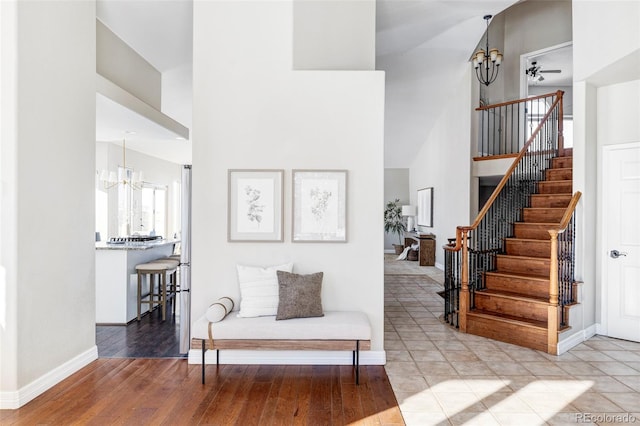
(534, 71)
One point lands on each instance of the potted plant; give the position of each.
(394, 223)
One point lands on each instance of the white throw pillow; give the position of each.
(219, 309)
(259, 289)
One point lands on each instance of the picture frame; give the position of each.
(319, 206)
(255, 205)
(425, 207)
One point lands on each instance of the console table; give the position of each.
(427, 250)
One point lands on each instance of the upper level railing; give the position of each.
(476, 246)
(505, 128)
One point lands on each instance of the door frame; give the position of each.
(524, 86)
(602, 250)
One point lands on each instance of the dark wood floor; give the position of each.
(169, 392)
(149, 338)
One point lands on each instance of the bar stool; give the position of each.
(161, 268)
(169, 287)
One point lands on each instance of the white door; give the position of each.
(621, 240)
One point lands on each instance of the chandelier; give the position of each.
(125, 176)
(487, 64)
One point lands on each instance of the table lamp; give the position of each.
(409, 212)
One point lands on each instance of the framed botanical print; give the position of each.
(255, 205)
(319, 206)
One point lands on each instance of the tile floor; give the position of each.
(443, 377)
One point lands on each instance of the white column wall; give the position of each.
(443, 163)
(51, 181)
(617, 38)
(618, 109)
(252, 111)
(8, 203)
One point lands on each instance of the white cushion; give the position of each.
(219, 309)
(334, 325)
(259, 289)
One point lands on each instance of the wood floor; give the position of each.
(169, 392)
(149, 338)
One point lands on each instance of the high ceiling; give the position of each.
(422, 45)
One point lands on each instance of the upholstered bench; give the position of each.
(336, 330)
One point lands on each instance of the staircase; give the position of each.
(513, 306)
(509, 276)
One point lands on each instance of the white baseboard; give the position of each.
(287, 357)
(576, 339)
(439, 266)
(389, 251)
(16, 399)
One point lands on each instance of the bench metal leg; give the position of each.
(204, 350)
(357, 355)
(217, 357)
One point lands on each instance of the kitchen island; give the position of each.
(117, 280)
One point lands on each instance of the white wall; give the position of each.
(444, 164)
(49, 181)
(334, 35)
(396, 185)
(611, 28)
(252, 111)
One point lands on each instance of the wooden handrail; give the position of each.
(517, 101)
(564, 222)
(504, 179)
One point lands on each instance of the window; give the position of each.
(150, 216)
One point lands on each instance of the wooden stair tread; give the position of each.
(513, 256)
(540, 325)
(513, 275)
(525, 240)
(551, 224)
(553, 195)
(514, 296)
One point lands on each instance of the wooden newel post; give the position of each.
(464, 284)
(553, 316)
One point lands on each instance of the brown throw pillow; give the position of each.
(299, 295)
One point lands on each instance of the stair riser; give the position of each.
(509, 333)
(535, 232)
(554, 187)
(550, 201)
(543, 215)
(559, 174)
(520, 285)
(540, 248)
(562, 162)
(507, 306)
(538, 267)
